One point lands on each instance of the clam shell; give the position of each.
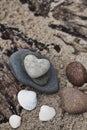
(15, 121)
(27, 99)
(46, 113)
(73, 100)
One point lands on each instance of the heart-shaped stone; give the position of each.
(36, 67)
(46, 113)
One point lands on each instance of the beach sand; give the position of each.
(15, 14)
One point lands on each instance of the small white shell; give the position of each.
(27, 99)
(46, 113)
(15, 121)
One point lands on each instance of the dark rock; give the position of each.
(76, 73)
(42, 80)
(17, 67)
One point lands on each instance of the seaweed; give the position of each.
(39, 7)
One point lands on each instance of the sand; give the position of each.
(15, 14)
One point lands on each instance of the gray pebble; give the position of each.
(35, 67)
(17, 68)
(42, 80)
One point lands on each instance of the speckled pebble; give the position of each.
(76, 73)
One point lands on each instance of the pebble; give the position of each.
(36, 67)
(15, 121)
(42, 80)
(61, 66)
(73, 100)
(27, 99)
(46, 113)
(76, 73)
(17, 67)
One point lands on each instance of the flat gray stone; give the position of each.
(17, 67)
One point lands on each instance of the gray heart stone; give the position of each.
(36, 67)
(17, 67)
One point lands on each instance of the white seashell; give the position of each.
(46, 113)
(27, 99)
(15, 121)
(36, 67)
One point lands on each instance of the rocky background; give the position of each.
(56, 29)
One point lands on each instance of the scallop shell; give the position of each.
(27, 99)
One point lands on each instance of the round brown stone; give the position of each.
(76, 73)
